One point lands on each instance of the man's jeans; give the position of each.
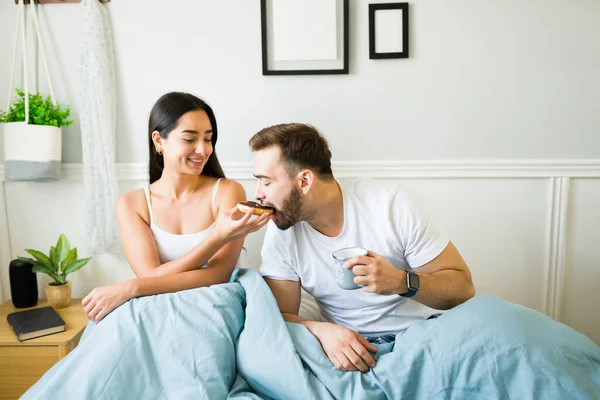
(389, 338)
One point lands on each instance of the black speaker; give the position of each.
(23, 284)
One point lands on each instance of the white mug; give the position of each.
(345, 277)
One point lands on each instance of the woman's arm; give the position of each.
(104, 299)
(101, 301)
(140, 247)
(221, 264)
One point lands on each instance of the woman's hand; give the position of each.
(230, 227)
(104, 299)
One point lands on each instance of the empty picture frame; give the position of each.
(388, 30)
(304, 37)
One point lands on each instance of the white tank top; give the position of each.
(172, 246)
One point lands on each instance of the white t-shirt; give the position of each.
(378, 216)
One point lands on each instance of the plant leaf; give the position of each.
(62, 247)
(75, 265)
(41, 268)
(72, 256)
(30, 260)
(54, 258)
(41, 257)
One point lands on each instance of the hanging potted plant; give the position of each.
(58, 263)
(40, 125)
(32, 124)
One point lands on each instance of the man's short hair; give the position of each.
(301, 145)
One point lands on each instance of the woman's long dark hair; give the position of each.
(164, 117)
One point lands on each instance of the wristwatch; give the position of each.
(412, 283)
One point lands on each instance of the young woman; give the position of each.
(183, 231)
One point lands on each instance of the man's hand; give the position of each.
(377, 274)
(346, 349)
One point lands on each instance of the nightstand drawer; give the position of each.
(22, 366)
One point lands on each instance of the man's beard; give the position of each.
(291, 212)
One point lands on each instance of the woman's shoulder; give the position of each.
(230, 192)
(134, 201)
(230, 186)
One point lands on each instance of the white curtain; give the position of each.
(98, 128)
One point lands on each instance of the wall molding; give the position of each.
(557, 245)
(470, 168)
(562, 168)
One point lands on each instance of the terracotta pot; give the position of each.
(58, 296)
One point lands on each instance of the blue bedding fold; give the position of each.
(177, 346)
(229, 341)
(487, 348)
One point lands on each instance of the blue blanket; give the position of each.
(176, 346)
(229, 341)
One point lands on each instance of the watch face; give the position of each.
(413, 281)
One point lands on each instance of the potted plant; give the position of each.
(61, 261)
(42, 125)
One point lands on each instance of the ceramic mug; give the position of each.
(345, 277)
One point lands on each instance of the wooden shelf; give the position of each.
(57, 1)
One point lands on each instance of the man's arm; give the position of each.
(445, 281)
(346, 349)
(287, 294)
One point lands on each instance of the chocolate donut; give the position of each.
(257, 208)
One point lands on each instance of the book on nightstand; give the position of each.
(36, 322)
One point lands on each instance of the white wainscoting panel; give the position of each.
(499, 226)
(580, 306)
(529, 230)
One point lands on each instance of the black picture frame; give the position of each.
(373, 8)
(311, 67)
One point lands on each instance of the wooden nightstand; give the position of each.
(23, 363)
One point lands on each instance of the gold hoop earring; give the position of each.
(159, 152)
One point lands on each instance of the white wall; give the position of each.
(486, 82)
(486, 79)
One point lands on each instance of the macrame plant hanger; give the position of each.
(23, 162)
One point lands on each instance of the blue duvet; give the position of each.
(229, 341)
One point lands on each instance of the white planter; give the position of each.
(32, 152)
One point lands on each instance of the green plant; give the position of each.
(41, 112)
(61, 261)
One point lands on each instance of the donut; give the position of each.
(257, 208)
